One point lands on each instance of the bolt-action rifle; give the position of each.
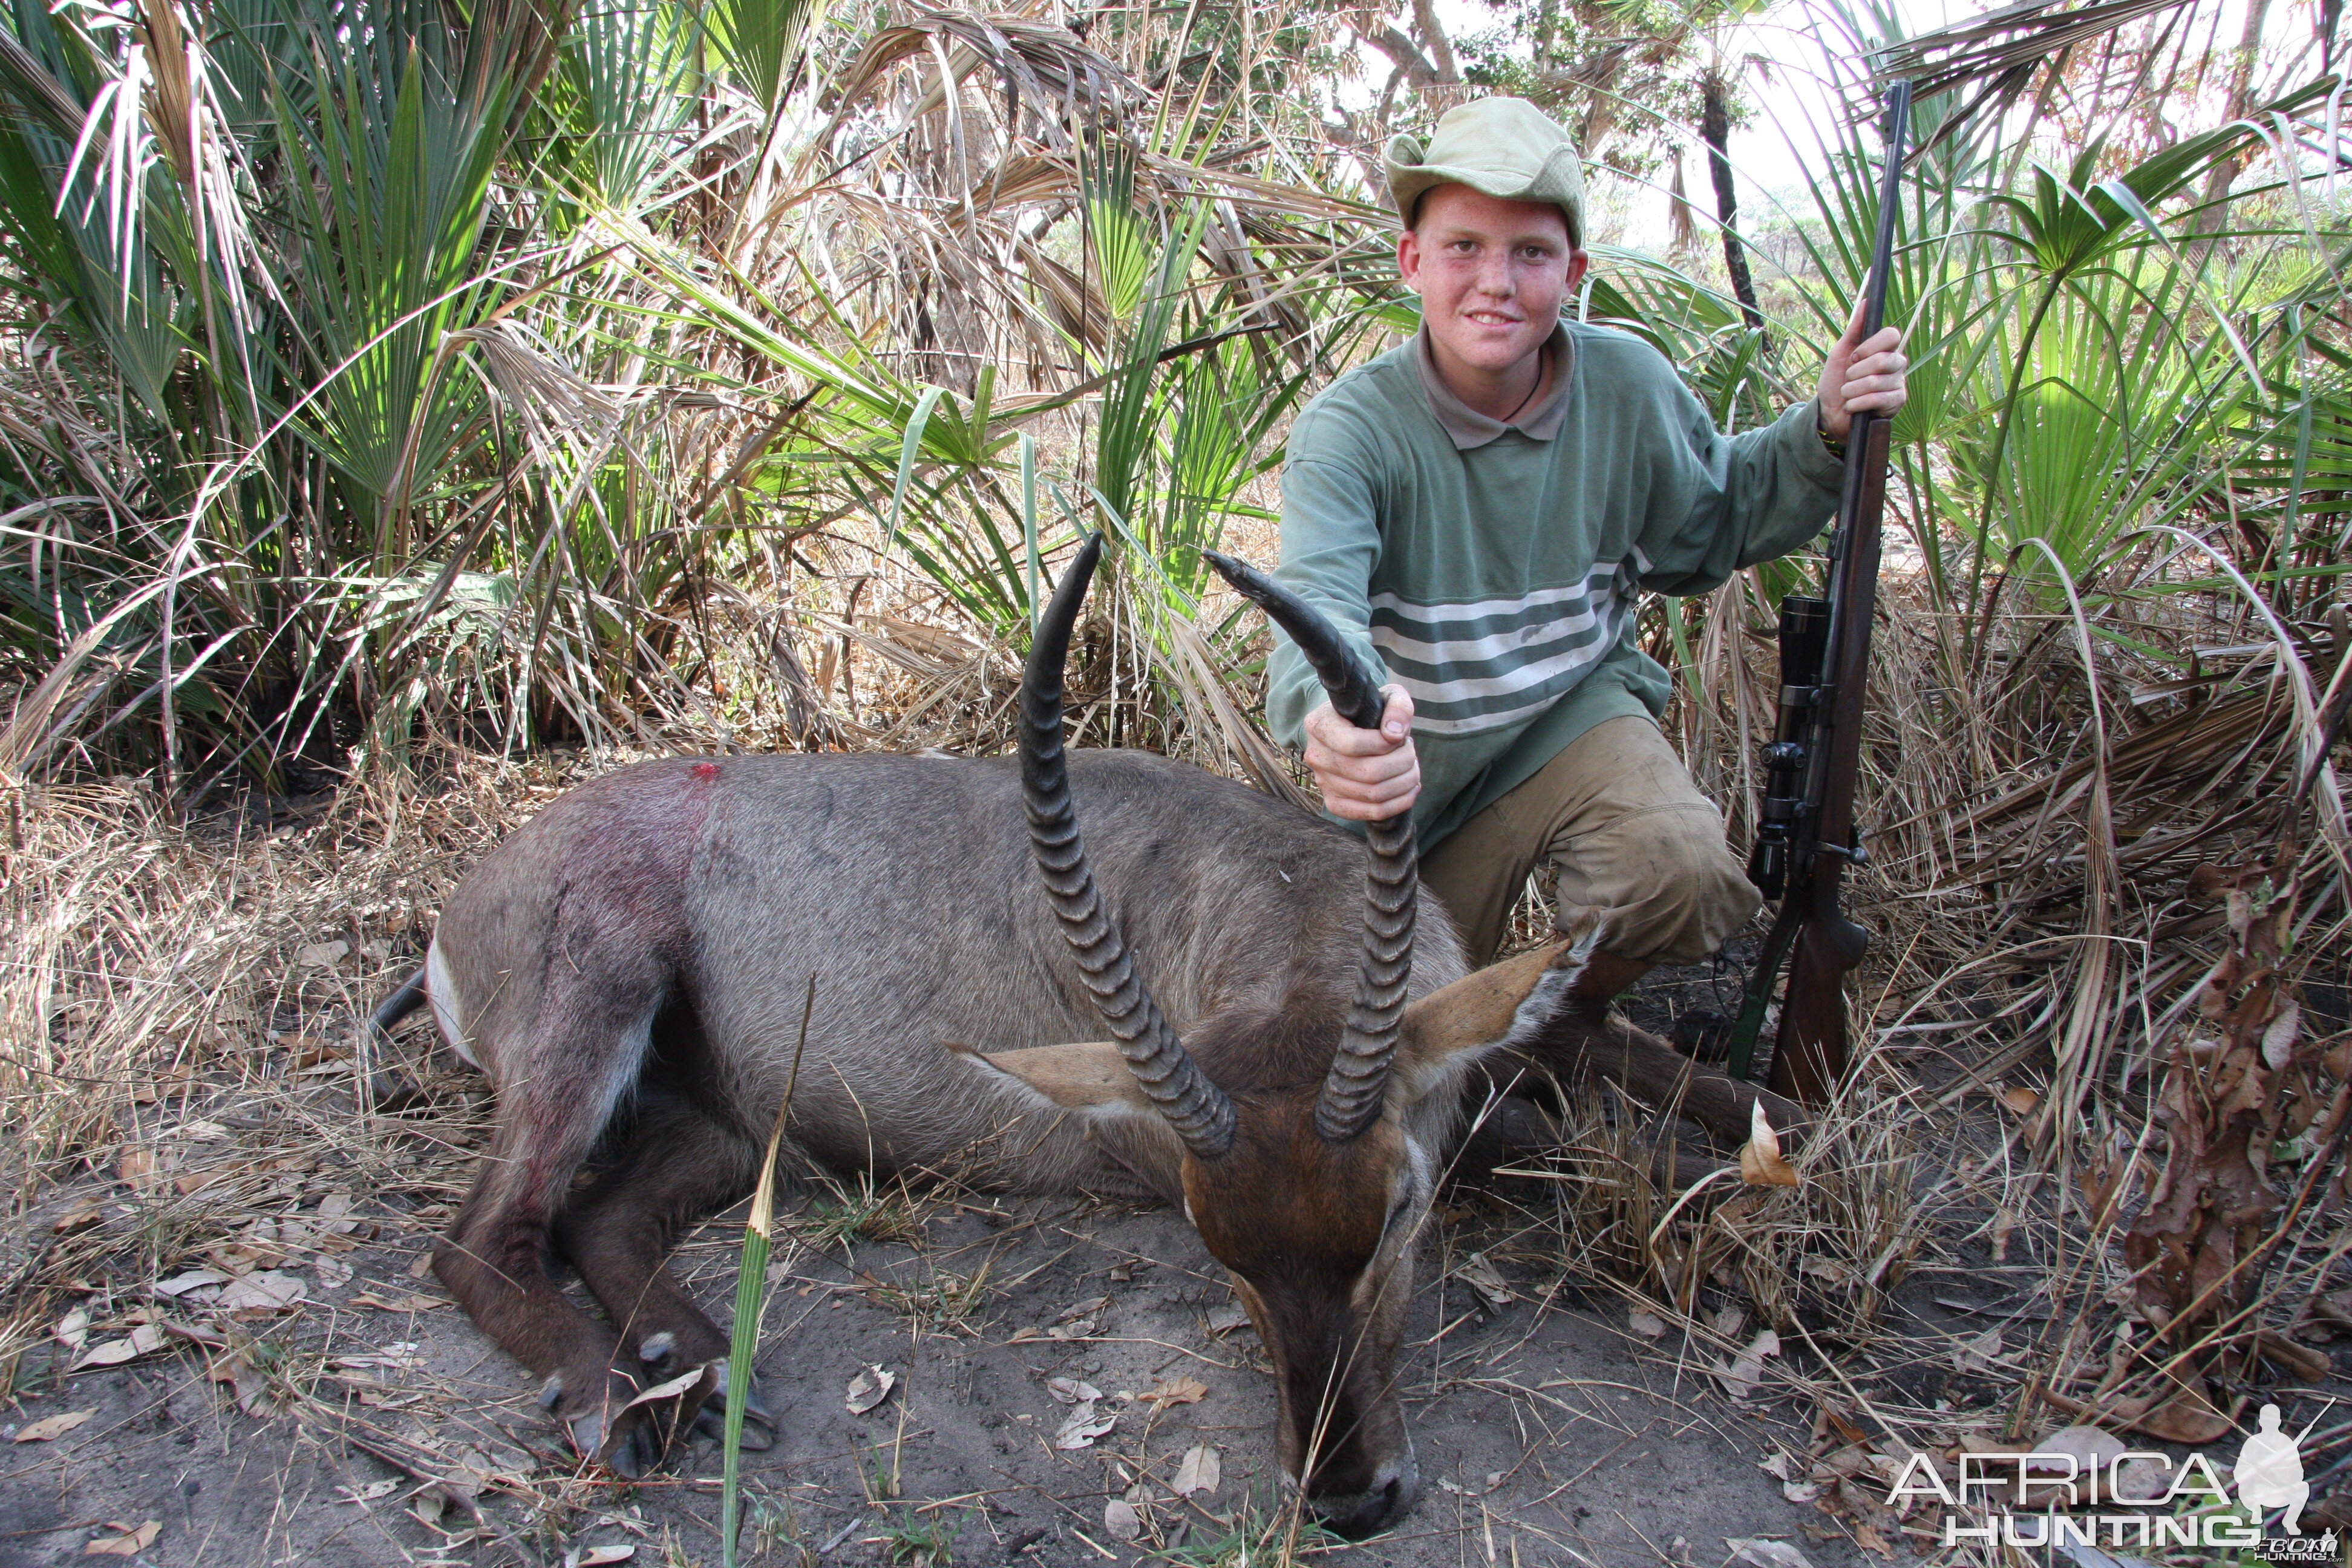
(1805, 831)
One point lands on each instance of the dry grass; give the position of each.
(184, 1070)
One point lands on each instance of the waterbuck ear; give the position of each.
(1085, 1075)
(1503, 1005)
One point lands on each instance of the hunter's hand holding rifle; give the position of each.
(1806, 833)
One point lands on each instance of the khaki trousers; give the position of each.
(1635, 843)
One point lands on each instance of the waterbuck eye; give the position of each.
(1402, 1202)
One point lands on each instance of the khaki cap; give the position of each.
(1506, 147)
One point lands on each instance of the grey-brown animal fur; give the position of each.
(631, 966)
(644, 945)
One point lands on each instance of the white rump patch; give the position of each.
(441, 990)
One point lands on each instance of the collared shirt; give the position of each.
(1493, 568)
(1470, 428)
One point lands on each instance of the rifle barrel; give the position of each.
(1812, 1052)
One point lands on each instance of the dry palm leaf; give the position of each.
(2004, 49)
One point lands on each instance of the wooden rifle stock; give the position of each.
(1812, 1052)
(1810, 1055)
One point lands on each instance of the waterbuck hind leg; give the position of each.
(678, 1164)
(586, 1044)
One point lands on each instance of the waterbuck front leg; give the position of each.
(680, 1164)
(1526, 1009)
(586, 1045)
(1584, 1039)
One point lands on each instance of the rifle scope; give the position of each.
(1804, 644)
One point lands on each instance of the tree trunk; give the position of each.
(1714, 129)
(2224, 172)
(1434, 39)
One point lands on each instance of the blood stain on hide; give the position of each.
(706, 769)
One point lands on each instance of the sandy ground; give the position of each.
(1547, 1432)
(370, 1423)
(181, 1416)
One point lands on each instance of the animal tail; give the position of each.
(400, 1003)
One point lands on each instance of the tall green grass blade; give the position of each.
(911, 452)
(1029, 522)
(751, 1292)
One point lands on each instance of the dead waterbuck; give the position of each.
(1290, 1044)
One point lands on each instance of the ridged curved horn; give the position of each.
(1197, 1109)
(1358, 1085)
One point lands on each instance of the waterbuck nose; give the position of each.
(1360, 1515)
(1390, 1498)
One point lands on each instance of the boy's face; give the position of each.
(1491, 274)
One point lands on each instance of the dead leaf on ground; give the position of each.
(2278, 1035)
(75, 1219)
(1087, 1423)
(321, 955)
(1120, 1521)
(264, 1291)
(599, 1556)
(1487, 1280)
(1766, 1554)
(1201, 1471)
(246, 1382)
(1072, 1390)
(127, 1540)
(48, 1428)
(191, 1280)
(1740, 1375)
(869, 1388)
(1982, 1353)
(1176, 1391)
(1224, 1319)
(685, 1381)
(2019, 1101)
(1649, 1325)
(2302, 1364)
(1761, 1164)
(2188, 1418)
(398, 1303)
(1086, 1309)
(146, 1337)
(2326, 1316)
(73, 1329)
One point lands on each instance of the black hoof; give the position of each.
(759, 1423)
(586, 1431)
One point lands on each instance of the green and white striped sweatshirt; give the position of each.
(1493, 570)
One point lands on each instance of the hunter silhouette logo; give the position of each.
(2032, 1500)
(2269, 1471)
